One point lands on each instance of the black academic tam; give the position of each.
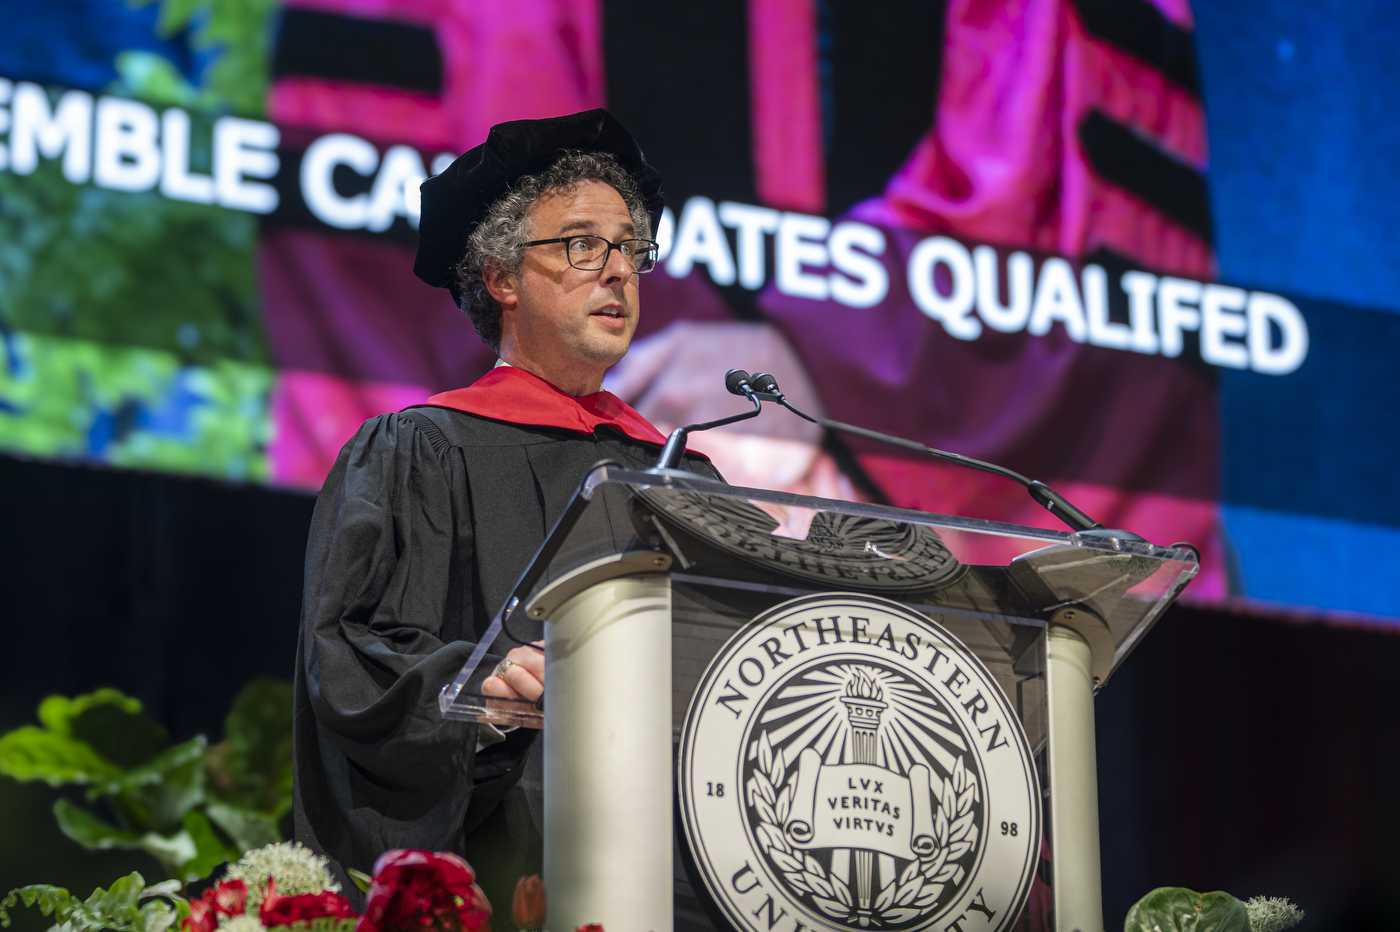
(454, 202)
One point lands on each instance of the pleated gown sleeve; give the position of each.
(387, 617)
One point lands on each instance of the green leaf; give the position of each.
(171, 761)
(210, 849)
(57, 712)
(247, 828)
(48, 898)
(115, 908)
(175, 851)
(31, 753)
(252, 767)
(166, 906)
(90, 831)
(87, 739)
(323, 924)
(170, 888)
(158, 794)
(126, 737)
(1176, 909)
(359, 879)
(157, 916)
(172, 851)
(182, 911)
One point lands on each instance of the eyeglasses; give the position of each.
(591, 253)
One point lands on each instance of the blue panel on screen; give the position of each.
(1342, 565)
(72, 43)
(1301, 100)
(1322, 440)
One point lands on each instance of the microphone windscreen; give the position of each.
(734, 379)
(763, 382)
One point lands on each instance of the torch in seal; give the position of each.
(864, 706)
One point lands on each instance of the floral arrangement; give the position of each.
(194, 806)
(1176, 909)
(288, 887)
(280, 886)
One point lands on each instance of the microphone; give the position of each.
(765, 383)
(736, 381)
(765, 387)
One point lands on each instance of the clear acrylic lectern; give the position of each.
(631, 635)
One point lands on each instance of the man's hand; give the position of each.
(523, 679)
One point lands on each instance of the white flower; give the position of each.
(248, 922)
(1271, 914)
(296, 868)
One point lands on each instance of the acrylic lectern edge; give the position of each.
(638, 479)
(609, 474)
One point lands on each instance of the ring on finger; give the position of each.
(502, 667)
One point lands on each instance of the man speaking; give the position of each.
(431, 514)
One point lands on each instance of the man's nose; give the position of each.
(618, 268)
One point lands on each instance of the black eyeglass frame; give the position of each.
(652, 247)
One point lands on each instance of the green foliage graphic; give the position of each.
(130, 322)
(188, 805)
(128, 269)
(131, 407)
(237, 79)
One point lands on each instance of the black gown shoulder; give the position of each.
(419, 533)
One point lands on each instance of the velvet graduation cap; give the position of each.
(455, 201)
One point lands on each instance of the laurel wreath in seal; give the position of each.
(920, 885)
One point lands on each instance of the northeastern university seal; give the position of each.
(847, 763)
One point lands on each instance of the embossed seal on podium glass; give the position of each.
(847, 551)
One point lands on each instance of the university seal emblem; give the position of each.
(847, 763)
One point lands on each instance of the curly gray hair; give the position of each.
(499, 239)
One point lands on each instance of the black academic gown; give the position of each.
(419, 534)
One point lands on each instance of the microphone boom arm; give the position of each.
(675, 444)
(766, 388)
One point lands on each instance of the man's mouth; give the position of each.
(608, 312)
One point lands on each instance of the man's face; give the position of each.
(563, 319)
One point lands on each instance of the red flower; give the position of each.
(222, 899)
(285, 910)
(591, 927)
(423, 891)
(530, 906)
(201, 917)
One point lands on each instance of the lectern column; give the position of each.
(607, 757)
(1074, 785)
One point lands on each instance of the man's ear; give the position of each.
(501, 286)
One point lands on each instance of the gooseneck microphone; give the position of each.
(737, 382)
(763, 387)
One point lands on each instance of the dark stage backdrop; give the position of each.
(1235, 752)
